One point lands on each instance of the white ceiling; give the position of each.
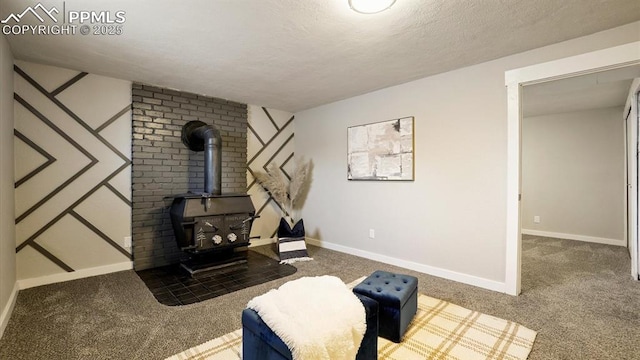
(297, 54)
(594, 91)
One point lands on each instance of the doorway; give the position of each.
(632, 136)
(590, 63)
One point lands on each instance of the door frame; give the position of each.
(588, 63)
(632, 119)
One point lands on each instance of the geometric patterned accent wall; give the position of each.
(270, 139)
(72, 170)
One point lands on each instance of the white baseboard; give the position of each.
(591, 239)
(78, 274)
(8, 309)
(430, 270)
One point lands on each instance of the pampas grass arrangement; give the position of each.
(289, 194)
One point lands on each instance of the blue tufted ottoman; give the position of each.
(397, 296)
(259, 342)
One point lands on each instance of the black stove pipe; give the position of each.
(199, 136)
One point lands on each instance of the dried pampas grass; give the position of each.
(289, 194)
(275, 183)
(298, 182)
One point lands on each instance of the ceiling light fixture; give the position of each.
(370, 6)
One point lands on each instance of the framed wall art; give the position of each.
(381, 150)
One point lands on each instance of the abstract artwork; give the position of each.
(381, 151)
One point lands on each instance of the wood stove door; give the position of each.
(208, 232)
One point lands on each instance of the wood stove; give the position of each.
(214, 229)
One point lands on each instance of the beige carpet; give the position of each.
(440, 330)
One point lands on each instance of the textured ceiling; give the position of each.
(295, 54)
(587, 92)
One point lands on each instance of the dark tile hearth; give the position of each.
(172, 285)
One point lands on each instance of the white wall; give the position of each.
(451, 220)
(8, 289)
(573, 175)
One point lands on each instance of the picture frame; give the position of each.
(381, 151)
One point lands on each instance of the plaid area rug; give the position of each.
(226, 347)
(440, 330)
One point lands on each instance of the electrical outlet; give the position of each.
(372, 234)
(127, 241)
(536, 219)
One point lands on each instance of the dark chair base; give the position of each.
(259, 342)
